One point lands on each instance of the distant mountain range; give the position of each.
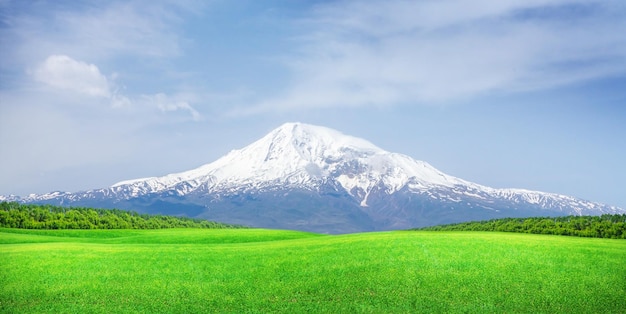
(313, 178)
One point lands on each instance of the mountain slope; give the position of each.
(307, 177)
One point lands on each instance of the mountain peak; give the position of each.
(304, 155)
(294, 152)
(315, 140)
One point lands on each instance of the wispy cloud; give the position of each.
(97, 30)
(167, 103)
(428, 52)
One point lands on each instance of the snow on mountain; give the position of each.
(290, 154)
(302, 155)
(342, 174)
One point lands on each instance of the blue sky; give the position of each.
(526, 94)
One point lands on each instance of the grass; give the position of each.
(255, 270)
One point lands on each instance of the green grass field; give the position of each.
(252, 270)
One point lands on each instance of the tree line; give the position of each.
(37, 216)
(604, 226)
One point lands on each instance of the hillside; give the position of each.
(272, 271)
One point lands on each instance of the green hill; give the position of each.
(274, 271)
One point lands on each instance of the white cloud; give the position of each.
(120, 101)
(63, 72)
(168, 104)
(427, 52)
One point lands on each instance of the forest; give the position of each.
(38, 216)
(604, 226)
(43, 216)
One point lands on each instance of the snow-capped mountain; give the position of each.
(307, 177)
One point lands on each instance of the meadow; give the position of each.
(274, 271)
